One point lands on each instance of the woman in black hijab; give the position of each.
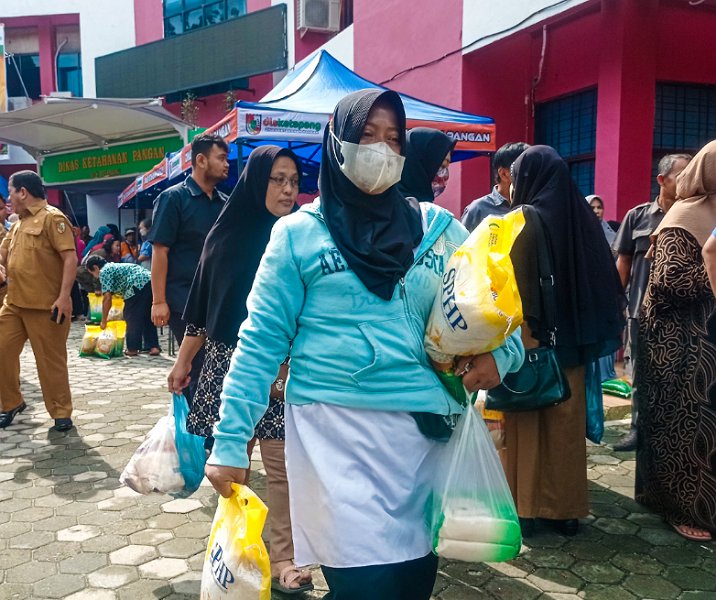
(348, 283)
(546, 453)
(216, 307)
(427, 158)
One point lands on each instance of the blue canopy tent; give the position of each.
(296, 111)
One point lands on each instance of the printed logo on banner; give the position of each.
(279, 125)
(253, 124)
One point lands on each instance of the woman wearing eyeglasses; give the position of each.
(265, 192)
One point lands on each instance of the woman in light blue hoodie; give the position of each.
(346, 285)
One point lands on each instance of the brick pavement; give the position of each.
(69, 530)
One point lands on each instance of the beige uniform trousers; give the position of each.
(279, 516)
(49, 344)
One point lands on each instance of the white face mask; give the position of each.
(372, 168)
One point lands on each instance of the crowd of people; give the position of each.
(302, 330)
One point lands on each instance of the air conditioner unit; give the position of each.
(319, 15)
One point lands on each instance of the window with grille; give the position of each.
(684, 121)
(569, 125)
(181, 16)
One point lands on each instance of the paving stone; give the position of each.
(193, 530)
(508, 589)
(167, 521)
(125, 527)
(78, 533)
(145, 588)
(555, 580)
(54, 523)
(33, 493)
(151, 537)
(646, 586)
(15, 591)
(83, 563)
(29, 573)
(584, 550)
(12, 529)
(181, 547)
(116, 503)
(188, 584)
(13, 558)
(104, 543)
(132, 555)
(616, 526)
(93, 594)
(181, 506)
(680, 556)
(637, 563)
(32, 540)
(163, 568)
(660, 537)
(56, 551)
(58, 586)
(598, 572)
(112, 577)
(688, 578)
(597, 591)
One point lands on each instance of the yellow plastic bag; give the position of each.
(119, 328)
(236, 565)
(479, 304)
(95, 308)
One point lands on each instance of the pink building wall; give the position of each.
(148, 21)
(392, 35)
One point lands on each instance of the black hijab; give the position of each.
(425, 151)
(588, 291)
(375, 234)
(233, 249)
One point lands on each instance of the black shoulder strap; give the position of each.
(546, 274)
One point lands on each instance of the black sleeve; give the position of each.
(165, 219)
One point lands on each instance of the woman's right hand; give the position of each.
(178, 377)
(222, 477)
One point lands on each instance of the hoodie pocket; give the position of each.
(395, 351)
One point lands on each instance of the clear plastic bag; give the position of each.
(236, 564)
(472, 516)
(494, 420)
(154, 466)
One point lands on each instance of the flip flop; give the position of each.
(155, 352)
(690, 536)
(131, 353)
(289, 575)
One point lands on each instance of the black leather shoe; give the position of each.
(62, 425)
(528, 527)
(7, 417)
(568, 527)
(627, 443)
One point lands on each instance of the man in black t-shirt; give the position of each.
(183, 216)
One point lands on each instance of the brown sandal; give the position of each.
(131, 353)
(289, 575)
(154, 352)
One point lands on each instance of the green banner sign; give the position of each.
(122, 160)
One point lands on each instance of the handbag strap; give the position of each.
(546, 276)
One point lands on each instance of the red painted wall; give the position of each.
(391, 36)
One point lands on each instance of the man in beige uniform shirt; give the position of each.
(38, 262)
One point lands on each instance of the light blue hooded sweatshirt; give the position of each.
(348, 347)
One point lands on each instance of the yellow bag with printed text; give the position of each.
(479, 304)
(236, 565)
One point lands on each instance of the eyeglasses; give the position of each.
(281, 181)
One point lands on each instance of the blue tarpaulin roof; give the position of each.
(309, 94)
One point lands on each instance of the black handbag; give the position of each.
(540, 381)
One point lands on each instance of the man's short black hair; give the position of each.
(505, 156)
(95, 261)
(30, 181)
(202, 144)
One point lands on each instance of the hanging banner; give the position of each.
(469, 136)
(4, 149)
(127, 193)
(227, 128)
(119, 160)
(281, 125)
(157, 174)
(174, 165)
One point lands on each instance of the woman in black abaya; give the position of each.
(545, 457)
(427, 158)
(216, 307)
